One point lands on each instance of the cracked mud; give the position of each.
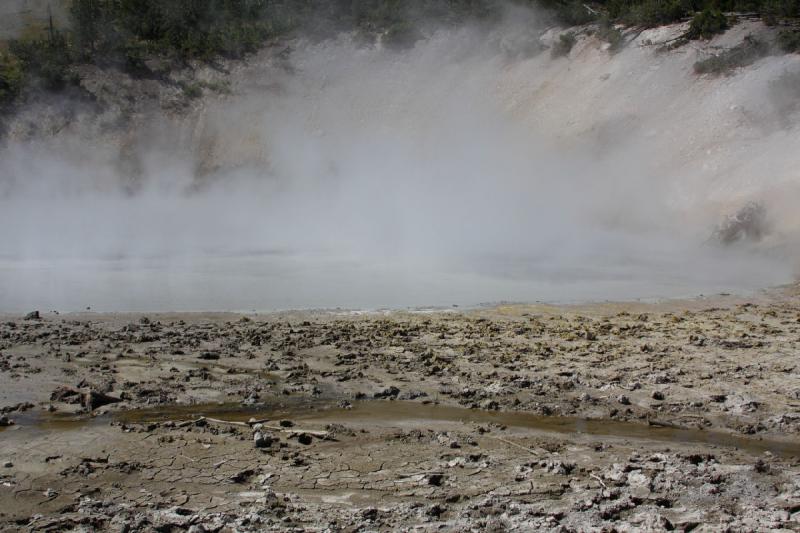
(670, 416)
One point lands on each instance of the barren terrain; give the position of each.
(674, 415)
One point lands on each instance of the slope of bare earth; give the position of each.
(636, 416)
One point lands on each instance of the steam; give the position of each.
(465, 169)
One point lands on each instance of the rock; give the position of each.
(261, 440)
(658, 395)
(390, 392)
(624, 400)
(435, 510)
(8, 464)
(740, 404)
(286, 423)
(33, 315)
(208, 356)
(412, 395)
(435, 479)
(370, 513)
(66, 394)
(489, 405)
(639, 484)
(5, 421)
(94, 399)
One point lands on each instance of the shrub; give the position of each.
(400, 35)
(655, 12)
(46, 61)
(789, 41)
(563, 45)
(192, 90)
(608, 33)
(741, 55)
(707, 23)
(573, 13)
(10, 78)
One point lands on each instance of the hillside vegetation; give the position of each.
(124, 34)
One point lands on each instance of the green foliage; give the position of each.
(563, 45)
(46, 61)
(192, 90)
(707, 23)
(132, 34)
(401, 35)
(746, 53)
(120, 30)
(789, 41)
(219, 87)
(573, 13)
(773, 10)
(650, 13)
(607, 32)
(10, 78)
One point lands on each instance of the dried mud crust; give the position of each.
(725, 365)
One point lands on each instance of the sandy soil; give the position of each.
(678, 415)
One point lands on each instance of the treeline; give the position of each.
(126, 33)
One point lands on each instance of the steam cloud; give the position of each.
(465, 169)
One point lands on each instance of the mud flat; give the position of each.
(682, 415)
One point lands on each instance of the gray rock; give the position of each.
(94, 399)
(261, 440)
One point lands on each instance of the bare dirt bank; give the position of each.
(635, 416)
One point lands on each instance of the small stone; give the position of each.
(658, 395)
(435, 480)
(260, 440)
(5, 421)
(94, 399)
(370, 513)
(8, 464)
(624, 400)
(304, 438)
(33, 315)
(490, 405)
(435, 510)
(391, 392)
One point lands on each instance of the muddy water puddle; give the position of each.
(406, 413)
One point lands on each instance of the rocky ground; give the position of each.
(678, 415)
